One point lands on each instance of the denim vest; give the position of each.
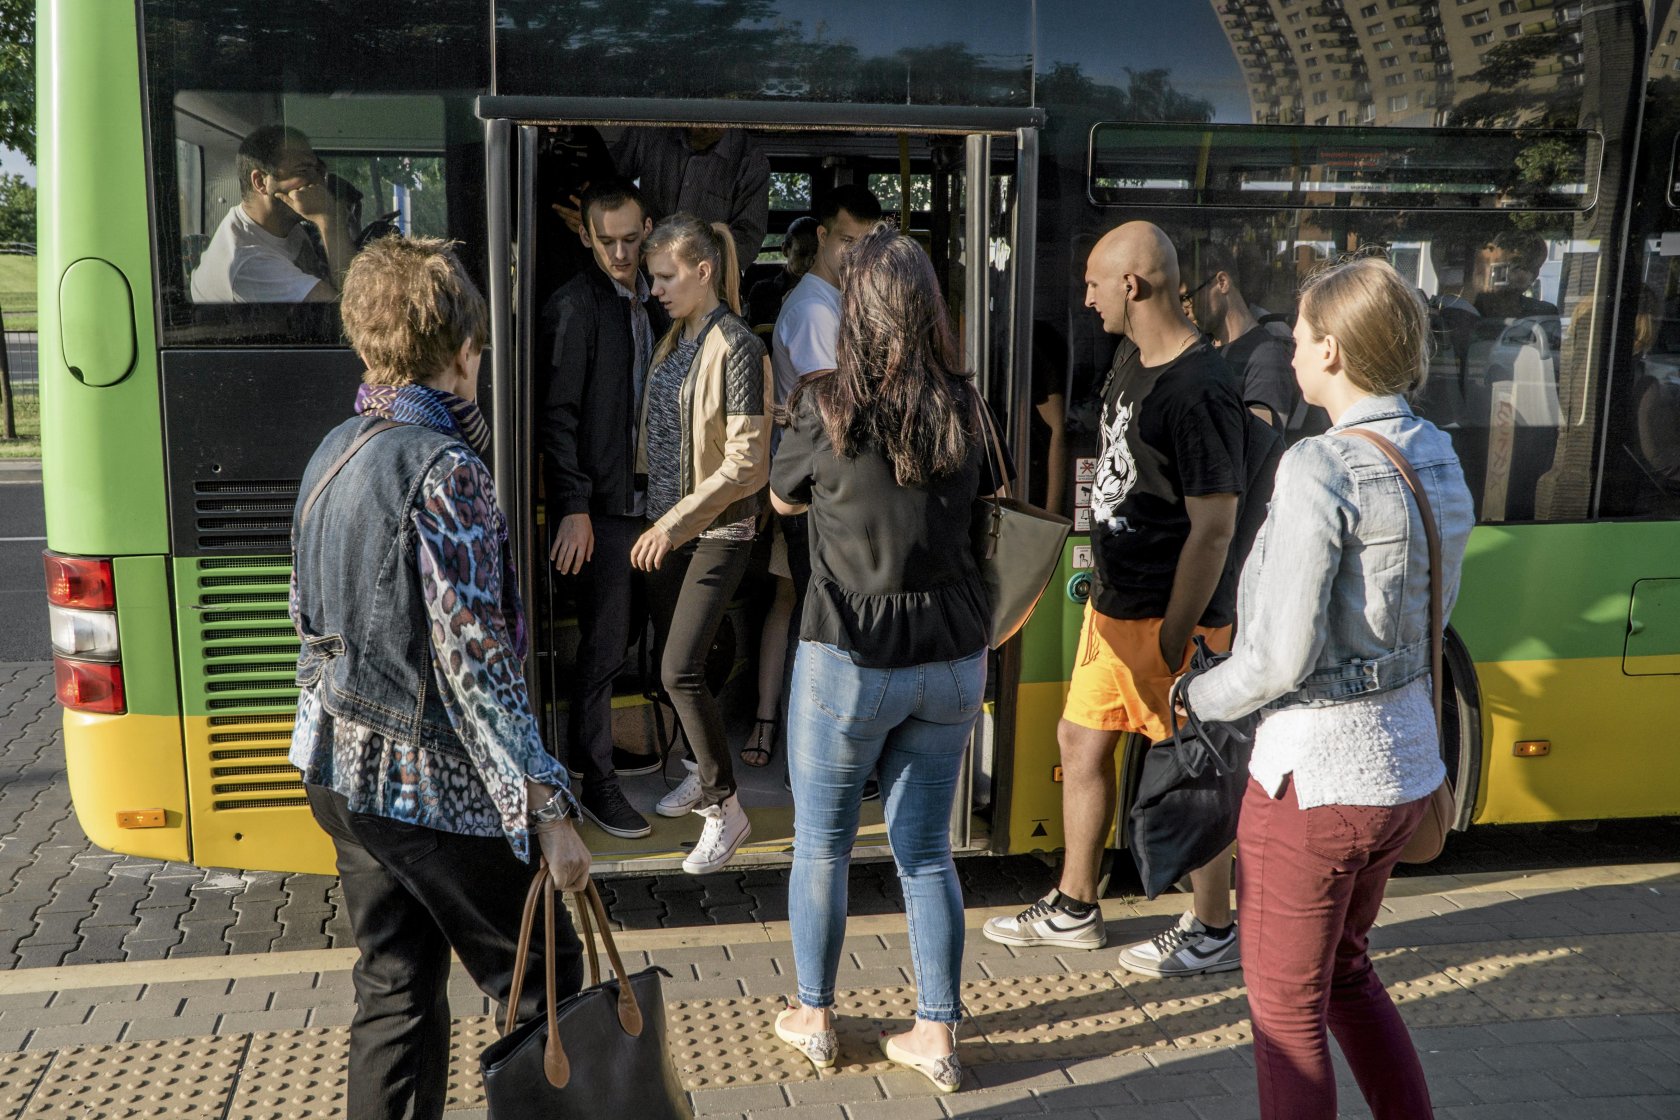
(1334, 599)
(366, 634)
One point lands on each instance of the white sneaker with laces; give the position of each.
(725, 829)
(1046, 923)
(1186, 949)
(685, 798)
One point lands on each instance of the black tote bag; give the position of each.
(1191, 791)
(600, 1053)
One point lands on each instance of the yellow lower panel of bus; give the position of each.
(248, 806)
(1035, 817)
(1611, 736)
(127, 764)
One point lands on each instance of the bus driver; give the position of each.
(262, 252)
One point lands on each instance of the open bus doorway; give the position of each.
(923, 181)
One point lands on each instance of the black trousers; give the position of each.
(603, 605)
(687, 596)
(413, 894)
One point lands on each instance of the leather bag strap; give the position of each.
(1432, 535)
(360, 442)
(993, 443)
(592, 918)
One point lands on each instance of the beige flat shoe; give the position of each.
(946, 1073)
(822, 1047)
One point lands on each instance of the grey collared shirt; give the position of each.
(641, 335)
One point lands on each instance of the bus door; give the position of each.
(961, 182)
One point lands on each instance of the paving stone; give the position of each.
(130, 994)
(250, 1022)
(738, 1098)
(86, 1034)
(149, 950)
(180, 1026)
(833, 1090)
(1500, 1088)
(250, 999)
(332, 1014)
(1173, 1086)
(900, 1108)
(992, 1102)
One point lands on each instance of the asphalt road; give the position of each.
(23, 601)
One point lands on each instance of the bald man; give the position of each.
(1163, 514)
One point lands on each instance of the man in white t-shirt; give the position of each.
(808, 328)
(262, 251)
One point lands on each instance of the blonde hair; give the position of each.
(1380, 321)
(409, 307)
(691, 241)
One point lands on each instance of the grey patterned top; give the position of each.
(664, 440)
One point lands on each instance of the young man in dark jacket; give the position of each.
(603, 327)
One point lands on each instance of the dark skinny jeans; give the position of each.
(687, 596)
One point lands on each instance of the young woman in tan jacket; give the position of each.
(705, 448)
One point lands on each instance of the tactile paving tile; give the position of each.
(177, 1078)
(291, 1075)
(19, 1074)
(718, 1043)
(1427, 996)
(1544, 983)
(1080, 1015)
(1195, 1012)
(1648, 961)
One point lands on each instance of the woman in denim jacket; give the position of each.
(1333, 644)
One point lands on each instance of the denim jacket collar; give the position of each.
(1387, 407)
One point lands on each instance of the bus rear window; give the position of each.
(1311, 167)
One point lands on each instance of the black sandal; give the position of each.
(761, 745)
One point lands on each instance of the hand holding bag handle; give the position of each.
(593, 917)
(1431, 835)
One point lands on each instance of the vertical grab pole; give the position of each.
(977, 338)
(521, 422)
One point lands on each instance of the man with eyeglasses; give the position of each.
(1261, 361)
(263, 251)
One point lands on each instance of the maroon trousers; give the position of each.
(1309, 885)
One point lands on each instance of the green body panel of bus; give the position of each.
(102, 455)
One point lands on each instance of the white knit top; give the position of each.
(1380, 749)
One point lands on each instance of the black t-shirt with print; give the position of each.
(1168, 432)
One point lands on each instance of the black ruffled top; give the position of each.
(893, 577)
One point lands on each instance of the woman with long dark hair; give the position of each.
(705, 447)
(888, 454)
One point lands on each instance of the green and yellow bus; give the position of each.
(1515, 157)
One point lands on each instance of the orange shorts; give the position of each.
(1120, 682)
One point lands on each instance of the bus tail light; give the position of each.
(90, 686)
(76, 581)
(87, 656)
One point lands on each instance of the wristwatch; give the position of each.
(556, 808)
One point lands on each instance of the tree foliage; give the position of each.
(17, 76)
(17, 210)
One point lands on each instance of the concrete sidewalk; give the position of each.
(1549, 995)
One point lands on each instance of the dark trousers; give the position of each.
(603, 608)
(1309, 885)
(413, 894)
(796, 531)
(687, 597)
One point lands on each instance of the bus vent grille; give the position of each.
(244, 664)
(299, 802)
(244, 516)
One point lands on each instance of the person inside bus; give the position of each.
(704, 445)
(603, 325)
(1164, 512)
(263, 251)
(888, 452)
(420, 755)
(1257, 356)
(1338, 782)
(807, 332)
(715, 174)
(799, 249)
(1516, 344)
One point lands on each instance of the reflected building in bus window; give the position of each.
(1399, 62)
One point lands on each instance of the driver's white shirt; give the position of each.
(244, 263)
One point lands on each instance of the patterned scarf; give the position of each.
(433, 408)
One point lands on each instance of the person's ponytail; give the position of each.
(729, 267)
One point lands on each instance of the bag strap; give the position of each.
(1432, 535)
(992, 442)
(592, 917)
(360, 442)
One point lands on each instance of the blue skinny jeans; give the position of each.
(910, 727)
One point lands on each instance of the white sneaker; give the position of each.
(685, 798)
(725, 829)
(1186, 949)
(1046, 923)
